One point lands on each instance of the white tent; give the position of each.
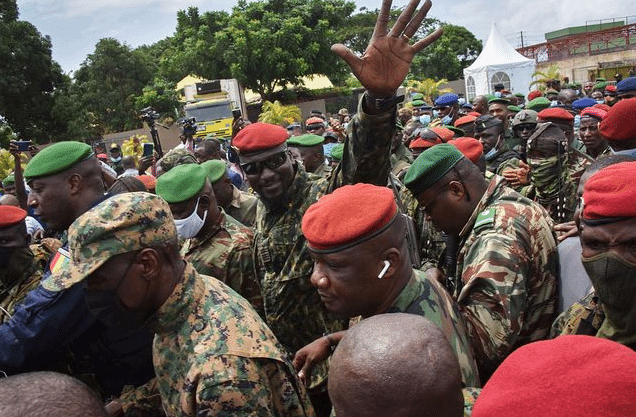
(498, 63)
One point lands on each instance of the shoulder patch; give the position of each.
(485, 218)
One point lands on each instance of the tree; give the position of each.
(28, 77)
(161, 96)
(542, 78)
(448, 56)
(276, 113)
(430, 88)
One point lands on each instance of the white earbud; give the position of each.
(387, 264)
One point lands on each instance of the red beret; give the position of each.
(259, 136)
(419, 143)
(620, 121)
(348, 216)
(102, 156)
(149, 181)
(474, 113)
(534, 94)
(567, 376)
(470, 147)
(444, 134)
(611, 192)
(314, 120)
(611, 88)
(594, 112)
(465, 119)
(10, 215)
(602, 106)
(555, 114)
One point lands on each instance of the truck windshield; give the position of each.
(213, 111)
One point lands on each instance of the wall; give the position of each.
(579, 68)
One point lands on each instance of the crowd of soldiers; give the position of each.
(451, 259)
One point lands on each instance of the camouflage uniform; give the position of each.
(470, 397)
(577, 162)
(506, 278)
(425, 297)
(293, 308)
(242, 207)
(583, 317)
(225, 253)
(214, 356)
(505, 158)
(323, 171)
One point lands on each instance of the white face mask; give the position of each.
(189, 227)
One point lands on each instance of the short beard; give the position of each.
(278, 204)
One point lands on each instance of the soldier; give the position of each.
(315, 126)
(538, 104)
(310, 148)
(403, 366)
(208, 149)
(448, 108)
(213, 355)
(467, 124)
(505, 281)
(490, 131)
(292, 306)
(8, 185)
(66, 181)
(480, 104)
(362, 268)
(618, 127)
(626, 88)
(238, 204)
(568, 376)
(213, 242)
(172, 158)
(595, 144)
(523, 125)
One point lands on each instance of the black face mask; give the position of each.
(107, 308)
(5, 256)
(15, 263)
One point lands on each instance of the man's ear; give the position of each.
(457, 189)
(75, 183)
(150, 261)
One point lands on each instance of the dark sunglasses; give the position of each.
(273, 162)
(313, 129)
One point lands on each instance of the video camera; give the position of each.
(149, 115)
(189, 126)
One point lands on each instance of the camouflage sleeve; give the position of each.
(144, 400)
(260, 387)
(470, 396)
(494, 296)
(366, 156)
(242, 274)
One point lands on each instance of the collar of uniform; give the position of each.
(190, 244)
(495, 184)
(180, 304)
(236, 197)
(409, 293)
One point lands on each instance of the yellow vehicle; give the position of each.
(212, 104)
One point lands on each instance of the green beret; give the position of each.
(520, 95)
(456, 130)
(57, 158)
(417, 96)
(490, 97)
(181, 183)
(600, 79)
(418, 103)
(499, 100)
(9, 180)
(515, 109)
(305, 140)
(336, 152)
(601, 85)
(431, 166)
(538, 104)
(215, 169)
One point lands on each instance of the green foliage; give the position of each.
(6, 134)
(276, 113)
(28, 77)
(429, 87)
(455, 50)
(161, 96)
(542, 78)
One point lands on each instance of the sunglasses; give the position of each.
(273, 162)
(313, 129)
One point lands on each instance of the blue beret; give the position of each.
(447, 99)
(57, 158)
(628, 84)
(583, 103)
(467, 106)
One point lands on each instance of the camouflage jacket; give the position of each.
(427, 298)
(470, 397)
(583, 317)
(506, 279)
(214, 356)
(293, 309)
(242, 207)
(577, 162)
(226, 254)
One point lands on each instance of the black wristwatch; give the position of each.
(383, 104)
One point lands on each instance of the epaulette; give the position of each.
(484, 219)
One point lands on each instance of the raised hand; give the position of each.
(387, 59)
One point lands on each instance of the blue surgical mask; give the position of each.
(600, 101)
(435, 114)
(491, 154)
(497, 93)
(577, 121)
(447, 119)
(425, 119)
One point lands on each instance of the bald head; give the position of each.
(47, 394)
(395, 353)
(9, 200)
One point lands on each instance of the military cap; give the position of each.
(500, 100)
(538, 104)
(215, 168)
(594, 113)
(520, 95)
(626, 85)
(499, 86)
(421, 143)
(474, 113)
(514, 109)
(102, 157)
(175, 157)
(114, 146)
(314, 120)
(9, 180)
(582, 103)
(551, 92)
(11, 215)
(332, 135)
(444, 133)
(534, 94)
(446, 100)
(431, 166)
(123, 223)
(486, 121)
(600, 79)
(292, 126)
(456, 131)
(260, 136)
(306, 140)
(611, 88)
(619, 122)
(57, 158)
(470, 147)
(600, 85)
(489, 97)
(417, 103)
(337, 151)
(566, 376)
(417, 96)
(181, 183)
(465, 120)
(467, 106)
(330, 225)
(602, 106)
(610, 193)
(148, 181)
(343, 112)
(525, 117)
(556, 115)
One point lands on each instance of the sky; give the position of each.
(75, 26)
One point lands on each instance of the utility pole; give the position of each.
(521, 39)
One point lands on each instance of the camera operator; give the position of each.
(188, 129)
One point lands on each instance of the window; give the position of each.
(470, 88)
(500, 77)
